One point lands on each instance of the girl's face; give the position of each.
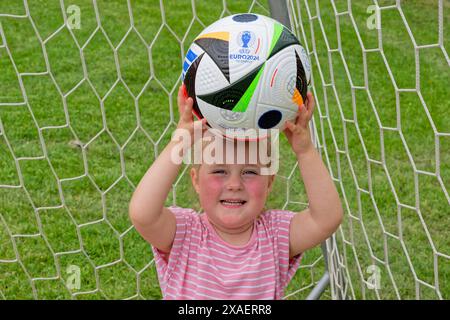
(232, 195)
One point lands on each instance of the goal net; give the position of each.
(88, 101)
(380, 75)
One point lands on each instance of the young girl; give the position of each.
(235, 249)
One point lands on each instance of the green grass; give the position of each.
(69, 205)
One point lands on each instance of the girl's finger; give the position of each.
(181, 101)
(187, 113)
(287, 129)
(300, 115)
(311, 105)
(287, 125)
(203, 121)
(291, 126)
(200, 124)
(310, 101)
(180, 97)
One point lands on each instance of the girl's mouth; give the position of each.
(231, 204)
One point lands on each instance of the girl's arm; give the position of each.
(151, 219)
(324, 215)
(155, 223)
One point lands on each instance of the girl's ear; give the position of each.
(194, 179)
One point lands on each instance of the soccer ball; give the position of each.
(246, 71)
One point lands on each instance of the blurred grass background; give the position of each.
(74, 148)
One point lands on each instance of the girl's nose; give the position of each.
(234, 182)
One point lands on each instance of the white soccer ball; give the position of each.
(246, 71)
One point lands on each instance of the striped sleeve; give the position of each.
(167, 262)
(279, 222)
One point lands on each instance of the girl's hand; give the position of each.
(298, 133)
(186, 122)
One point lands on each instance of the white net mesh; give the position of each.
(87, 101)
(383, 130)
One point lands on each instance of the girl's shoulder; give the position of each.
(188, 219)
(185, 214)
(182, 210)
(273, 213)
(276, 217)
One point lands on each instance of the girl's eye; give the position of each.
(251, 172)
(218, 171)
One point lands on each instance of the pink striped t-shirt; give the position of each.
(203, 266)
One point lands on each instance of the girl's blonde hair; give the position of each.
(224, 143)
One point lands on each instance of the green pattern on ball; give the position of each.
(242, 105)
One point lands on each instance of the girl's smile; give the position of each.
(232, 195)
